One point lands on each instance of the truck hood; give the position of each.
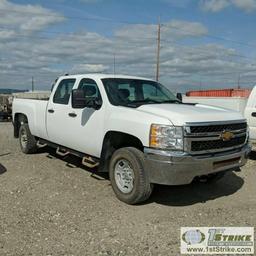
(179, 114)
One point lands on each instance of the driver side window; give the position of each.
(90, 89)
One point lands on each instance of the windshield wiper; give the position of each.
(146, 101)
(171, 101)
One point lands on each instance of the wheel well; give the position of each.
(18, 120)
(114, 140)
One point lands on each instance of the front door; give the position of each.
(86, 126)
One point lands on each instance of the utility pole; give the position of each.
(32, 84)
(114, 63)
(158, 50)
(238, 82)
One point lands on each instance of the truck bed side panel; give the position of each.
(35, 110)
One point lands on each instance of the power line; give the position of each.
(74, 17)
(127, 22)
(231, 73)
(67, 34)
(217, 82)
(207, 50)
(213, 36)
(71, 37)
(108, 20)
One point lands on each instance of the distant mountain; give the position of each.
(10, 91)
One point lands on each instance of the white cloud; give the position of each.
(175, 29)
(7, 34)
(177, 3)
(246, 5)
(178, 29)
(218, 5)
(27, 18)
(89, 68)
(214, 5)
(90, 1)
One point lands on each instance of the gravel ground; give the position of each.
(53, 206)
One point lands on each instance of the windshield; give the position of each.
(135, 92)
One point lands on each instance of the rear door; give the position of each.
(57, 115)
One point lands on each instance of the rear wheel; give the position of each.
(128, 176)
(28, 142)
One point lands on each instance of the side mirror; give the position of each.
(94, 103)
(179, 96)
(78, 99)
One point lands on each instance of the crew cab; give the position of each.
(136, 130)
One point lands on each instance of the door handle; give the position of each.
(50, 111)
(254, 114)
(72, 114)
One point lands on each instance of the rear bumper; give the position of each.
(170, 168)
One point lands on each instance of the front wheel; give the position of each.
(128, 176)
(28, 142)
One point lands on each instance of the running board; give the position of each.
(62, 152)
(89, 162)
(40, 144)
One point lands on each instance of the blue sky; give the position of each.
(206, 43)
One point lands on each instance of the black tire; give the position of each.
(213, 178)
(142, 189)
(30, 146)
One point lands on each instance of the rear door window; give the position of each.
(63, 92)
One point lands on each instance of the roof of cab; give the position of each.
(102, 76)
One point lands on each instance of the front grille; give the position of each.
(218, 128)
(216, 144)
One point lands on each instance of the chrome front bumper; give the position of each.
(171, 168)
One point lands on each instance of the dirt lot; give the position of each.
(51, 207)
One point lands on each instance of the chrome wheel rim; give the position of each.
(124, 176)
(23, 138)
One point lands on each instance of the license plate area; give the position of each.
(219, 164)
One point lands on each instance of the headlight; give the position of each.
(166, 137)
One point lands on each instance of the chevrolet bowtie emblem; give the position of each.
(227, 136)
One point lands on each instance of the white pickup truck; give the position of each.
(135, 129)
(246, 106)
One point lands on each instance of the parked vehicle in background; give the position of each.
(37, 95)
(5, 107)
(243, 101)
(135, 129)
